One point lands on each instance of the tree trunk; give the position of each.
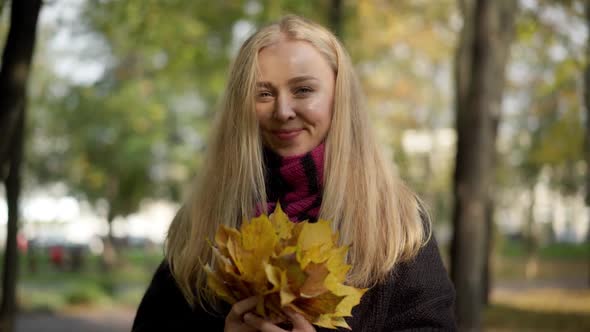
(530, 238)
(14, 73)
(109, 254)
(587, 145)
(480, 61)
(505, 35)
(488, 268)
(336, 17)
(487, 271)
(10, 271)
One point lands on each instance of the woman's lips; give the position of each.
(286, 135)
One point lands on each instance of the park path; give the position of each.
(103, 320)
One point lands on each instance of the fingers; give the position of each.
(240, 308)
(277, 320)
(241, 319)
(234, 320)
(299, 322)
(261, 324)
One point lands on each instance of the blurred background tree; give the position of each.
(587, 137)
(14, 75)
(480, 64)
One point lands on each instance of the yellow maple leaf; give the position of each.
(315, 234)
(282, 224)
(222, 236)
(314, 282)
(259, 235)
(219, 286)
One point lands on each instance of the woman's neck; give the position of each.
(296, 182)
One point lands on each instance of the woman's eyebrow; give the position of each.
(266, 85)
(292, 81)
(300, 79)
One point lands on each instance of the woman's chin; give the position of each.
(291, 151)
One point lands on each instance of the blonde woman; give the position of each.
(292, 128)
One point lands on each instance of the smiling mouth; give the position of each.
(286, 135)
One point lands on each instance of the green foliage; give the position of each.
(129, 297)
(85, 294)
(105, 146)
(40, 300)
(503, 317)
(553, 251)
(548, 128)
(50, 289)
(178, 45)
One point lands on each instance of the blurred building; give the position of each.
(48, 220)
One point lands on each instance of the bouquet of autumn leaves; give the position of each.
(287, 265)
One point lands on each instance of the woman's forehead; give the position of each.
(292, 58)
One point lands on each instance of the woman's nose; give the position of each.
(284, 109)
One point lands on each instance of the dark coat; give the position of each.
(417, 297)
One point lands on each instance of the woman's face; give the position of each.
(294, 97)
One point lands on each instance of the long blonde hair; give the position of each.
(363, 198)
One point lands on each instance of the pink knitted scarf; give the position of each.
(296, 182)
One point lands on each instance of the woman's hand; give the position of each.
(241, 319)
(234, 321)
(300, 324)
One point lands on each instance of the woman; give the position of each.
(292, 128)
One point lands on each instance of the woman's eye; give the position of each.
(302, 91)
(264, 94)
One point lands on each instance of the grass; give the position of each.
(511, 269)
(87, 294)
(40, 300)
(553, 251)
(558, 261)
(539, 310)
(50, 289)
(135, 267)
